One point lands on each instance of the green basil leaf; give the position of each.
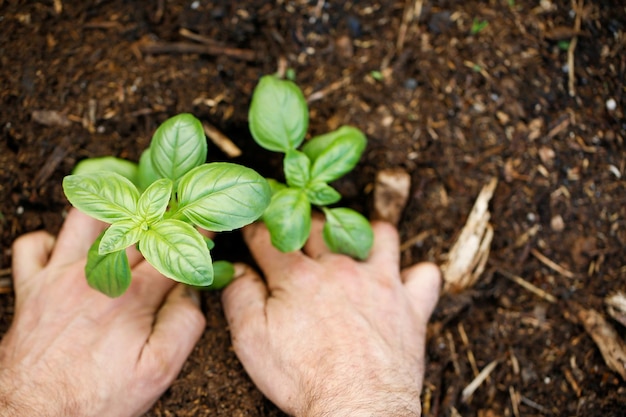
(278, 115)
(120, 235)
(146, 175)
(110, 274)
(178, 251)
(335, 153)
(221, 196)
(288, 219)
(223, 274)
(297, 168)
(348, 232)
(105, 196)
(153, 202)
(178, 146)
(322, 194)
(275, 186)
(120, 166)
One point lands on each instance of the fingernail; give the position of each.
(240, 269)
(194, 295)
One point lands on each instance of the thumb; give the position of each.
(31, 253)
(178, 326)
(423, 283)
(244, 299)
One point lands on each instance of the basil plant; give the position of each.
(159, 203)
(278, 120)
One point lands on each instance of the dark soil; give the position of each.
(450, 106)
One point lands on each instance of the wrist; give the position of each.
(22, 397)
(382, 404)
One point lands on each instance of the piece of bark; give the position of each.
(616, 307)
(468, 256)
(612, 348)
(391, 193)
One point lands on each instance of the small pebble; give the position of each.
(195, 5)
(410, 84)
(611, 104)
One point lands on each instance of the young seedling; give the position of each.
(157, 205)
(279, 119)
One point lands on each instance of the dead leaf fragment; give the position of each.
(468, 256)
(613, 348)
(391, 192)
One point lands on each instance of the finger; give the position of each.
(30, 255)
(272, 262)
(78, 233)
(178, 326)
(315, 246)
(423, 283)
(244, 300)
(386, 248)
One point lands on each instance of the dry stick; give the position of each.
(527, 285)
(482, 376)
(455, 360)
(515, 400)
(470, 354)
(551, 264)
(186, 33)
(578, 9)
(221, 140)
(411, 11)
(320, 94)
(192, 48)
(421, 236)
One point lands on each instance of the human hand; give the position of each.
(72, 351)
(327, 335)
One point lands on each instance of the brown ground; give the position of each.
(453, 108)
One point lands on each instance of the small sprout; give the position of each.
(377, 75)
(290, 74)
(279, 118)
(478, 26)
(563, 45)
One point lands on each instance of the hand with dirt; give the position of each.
(327, 335)
(72, 351)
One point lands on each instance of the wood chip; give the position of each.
(468, 256)
(616, 307)
(50, 118)
(192, 48)
(612, 347)
(391, 193)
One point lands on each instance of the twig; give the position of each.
(412, 10)
(515, 400)
(5, 272)
(551, 264)
(221, 140)
(320, 94)
(527, 285)
(453, 354)
(532, 404)
(469, 390)
(186, 33)
(470, 354)
(571, 82)
(6, 285)
(421, 236)
(192, 48)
